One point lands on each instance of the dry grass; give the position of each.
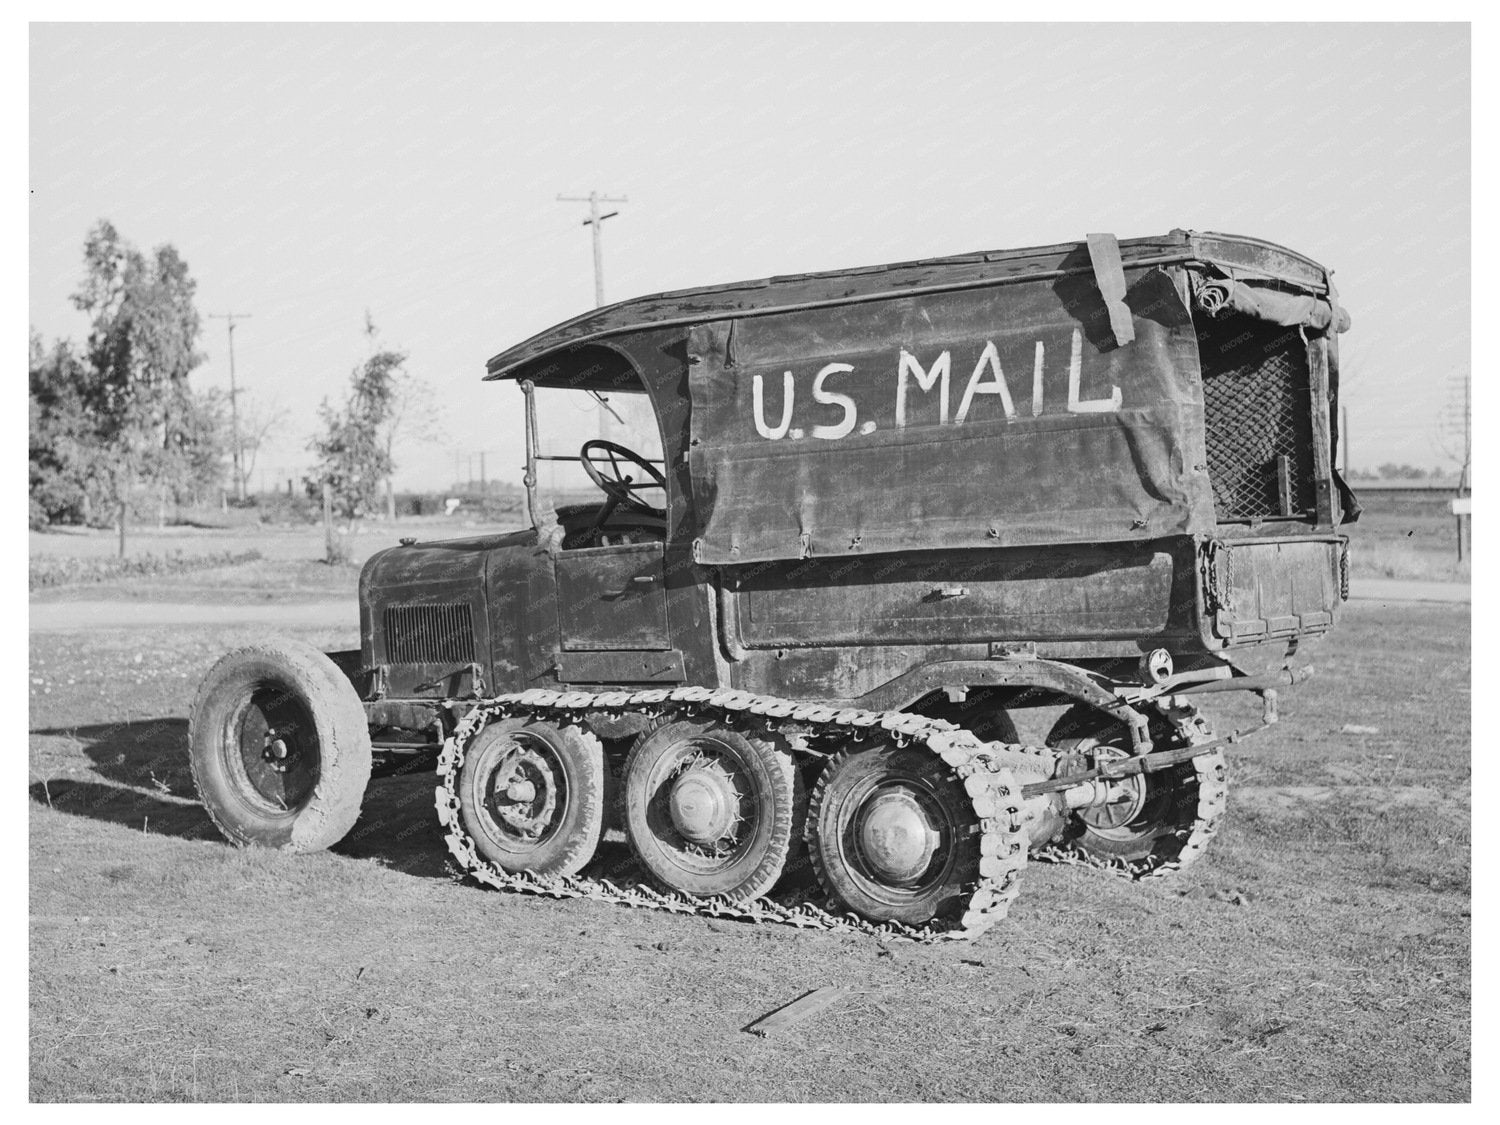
(263, 581)
(291, 568)
(1319, 952)
(283, 541)
(1404, 538)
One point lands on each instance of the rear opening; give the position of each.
(1257, 402)
(1263, 582)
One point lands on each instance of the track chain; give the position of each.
(985, 768)
(1213, 796)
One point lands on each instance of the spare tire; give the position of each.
(279, 747)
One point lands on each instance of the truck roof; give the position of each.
(1241, 255)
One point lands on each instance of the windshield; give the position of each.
(566, 419)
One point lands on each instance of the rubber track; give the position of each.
(986, 770)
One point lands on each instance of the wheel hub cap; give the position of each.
(896, 836)
(703, 805)
(524, 793)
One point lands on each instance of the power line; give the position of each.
(234, 407)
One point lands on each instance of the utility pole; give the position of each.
(234, 408)
(596, 221)
(1463, 483)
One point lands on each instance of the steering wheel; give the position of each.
(602, 460)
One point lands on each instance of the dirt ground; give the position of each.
(1319, 951)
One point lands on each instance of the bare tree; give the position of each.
(416, 415)
(257, 422)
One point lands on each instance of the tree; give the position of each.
(352, 451)
(195, 457)
(413, 414)
(1392, 471)
(65, 473)
(257, 420)
(125, 402)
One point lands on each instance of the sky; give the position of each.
(312, 173)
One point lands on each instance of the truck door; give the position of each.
(612, 616)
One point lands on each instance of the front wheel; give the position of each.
(279, 747)
(532, 795)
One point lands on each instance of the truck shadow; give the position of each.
(140, 779)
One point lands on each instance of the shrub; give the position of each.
(59, 570)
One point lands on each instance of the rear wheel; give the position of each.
(532, 795)
(279, 747)
(893, 834)
(1153, 818)
(711, 811)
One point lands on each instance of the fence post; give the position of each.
(328, 553)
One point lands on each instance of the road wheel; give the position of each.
(1154, 816)
(532, 795)
(893, 834)
(710, 811)
(279, 747)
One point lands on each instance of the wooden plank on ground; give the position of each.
(802, 1008)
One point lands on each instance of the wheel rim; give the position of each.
(1117, 818)
(893, 832)
(271, 749)
(701, 806)
(1138, 806)
(524, 794)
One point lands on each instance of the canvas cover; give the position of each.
(1009, 415)
(1234, 255)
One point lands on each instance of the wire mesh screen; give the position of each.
(1257, 415)
(429, 634)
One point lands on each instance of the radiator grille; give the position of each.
(429, 634)
(1257, 414)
